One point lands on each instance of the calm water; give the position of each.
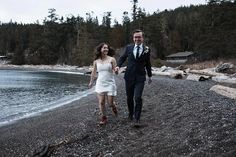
(26, 93)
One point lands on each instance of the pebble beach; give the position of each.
(179, 118)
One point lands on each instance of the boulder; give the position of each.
(224, 68)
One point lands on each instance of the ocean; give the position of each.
(25, 93)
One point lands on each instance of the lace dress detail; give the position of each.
(106, 80)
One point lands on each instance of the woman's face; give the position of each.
(104, 49)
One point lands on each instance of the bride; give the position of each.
(105, 86)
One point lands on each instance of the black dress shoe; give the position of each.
(130, 118)
(137, 124)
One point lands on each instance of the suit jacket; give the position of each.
(136, 67)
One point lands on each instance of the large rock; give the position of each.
(223, 68)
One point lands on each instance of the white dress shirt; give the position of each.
(140, 49)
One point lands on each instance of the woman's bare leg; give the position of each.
(102, 108)
(101, 103)
(112, 104)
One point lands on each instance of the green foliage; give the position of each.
(157, 62)
(209, 30)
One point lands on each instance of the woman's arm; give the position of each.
(94, 71)
(114, 64)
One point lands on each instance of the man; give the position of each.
(135, 75)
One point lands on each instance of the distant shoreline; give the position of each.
(82, 70)
(221, 78)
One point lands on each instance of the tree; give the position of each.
(106, 20)
(126, 27)
(53, 17)
(134, 9)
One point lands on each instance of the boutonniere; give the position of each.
(146, 49)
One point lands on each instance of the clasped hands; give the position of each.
(117, 71)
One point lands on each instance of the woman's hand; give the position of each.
(117, 70)
(90, 84)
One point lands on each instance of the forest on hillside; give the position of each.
(208, 30)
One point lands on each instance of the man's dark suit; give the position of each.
(135, 76)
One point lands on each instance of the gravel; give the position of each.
(179, 118)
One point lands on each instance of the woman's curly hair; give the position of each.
(98, 53)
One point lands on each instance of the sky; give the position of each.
(29, 11)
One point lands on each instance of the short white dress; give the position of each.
(106, 80)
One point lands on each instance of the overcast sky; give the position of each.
(29, 11)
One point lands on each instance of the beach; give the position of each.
(179, 118)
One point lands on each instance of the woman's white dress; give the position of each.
(106, 80)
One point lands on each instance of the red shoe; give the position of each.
(103, 121)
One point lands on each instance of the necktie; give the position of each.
(137, 53)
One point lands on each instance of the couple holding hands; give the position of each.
(138, 57)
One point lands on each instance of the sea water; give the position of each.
(24, 93)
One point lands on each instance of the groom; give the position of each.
(135, 75)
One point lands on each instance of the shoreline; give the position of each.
(180, 118)
(63, 101)
(229, 92)
(63, 68)
(54, 125)
(54, 106)
(31, 133)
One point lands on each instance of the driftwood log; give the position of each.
(46, 150)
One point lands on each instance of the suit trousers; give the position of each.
(134, 90)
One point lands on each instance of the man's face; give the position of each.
(138, 38)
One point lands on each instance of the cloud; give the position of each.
(28, 11)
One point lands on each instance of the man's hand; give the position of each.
(149, 80)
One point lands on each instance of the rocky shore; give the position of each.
(179, 118)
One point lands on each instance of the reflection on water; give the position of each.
(25, 92)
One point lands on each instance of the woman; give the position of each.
(105, 86)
